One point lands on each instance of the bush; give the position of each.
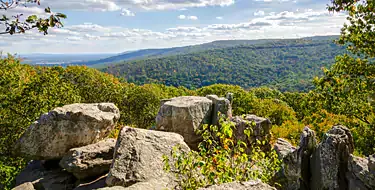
(275, 110)
(221, 159)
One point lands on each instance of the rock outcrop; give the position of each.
(330, 160)
(70, 126)
(295, 168)
(249, 185)
(91, 160)
(138, 156)
(184, 115)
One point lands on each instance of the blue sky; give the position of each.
(113, 26)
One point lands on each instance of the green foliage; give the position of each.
(275, 110)
(16, 24)
(265, 92)
(287, 65)
(221, 159)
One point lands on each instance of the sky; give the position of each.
(114, 26)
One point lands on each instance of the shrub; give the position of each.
(221, 159)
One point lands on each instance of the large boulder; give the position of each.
(46, 176)
(249, 185)
(360, 174)
(89, 161)
(329, 163)
(138, 156)
(260, 130)
(63, 128)
(283, 148)
(184, 115)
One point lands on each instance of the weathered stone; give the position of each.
(283, 148)
(249, 185)
(260, 131)
(359, 176)
(295, 168)
(184, 115)
(46, 177)
(219, 105)
(89, 161)
(371, 162)
(70, 126)
(329, 163)
(25, 186)
(138, 156)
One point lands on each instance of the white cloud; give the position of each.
(126, 12)
(193, 18)
(259, 13)
(219, 18)
(183, 17)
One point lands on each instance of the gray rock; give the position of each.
(295, 171)
(138, 156)
(70, 126)
(45, 176)
(89, 161)
(249, 185)
(219, 105)
(25, 186)
(359, 174)
(184, 115)
(283, 148)
(260, 131)
(329, 163)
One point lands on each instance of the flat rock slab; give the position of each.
(89, 161)
(70, 126)
(138, 156)
(249, 185)
(184, 115)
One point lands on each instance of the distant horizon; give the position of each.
(117, 53)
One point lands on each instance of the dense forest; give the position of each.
(288, 65)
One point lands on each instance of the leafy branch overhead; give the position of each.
(20, 23)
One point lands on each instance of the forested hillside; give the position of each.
(163, 52)
(288, 65)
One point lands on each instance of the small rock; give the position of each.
(89, 161)
(70, 126)
(249, 185)
(283, 148)
(184, 115)
(25, 186)
(138, 156)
